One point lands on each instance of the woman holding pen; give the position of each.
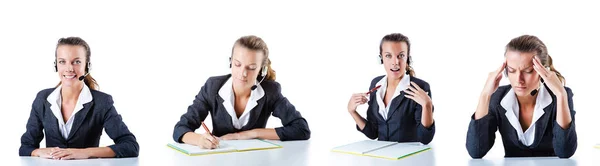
(240, 103)
(400, 106)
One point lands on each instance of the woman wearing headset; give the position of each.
(73, 114)
(534, 114)
(401, 109)
(240, 103)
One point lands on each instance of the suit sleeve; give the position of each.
(482, 133)
(371, 129)
(565, 140)
(294, 126)
(126, 144)
(424, 134)
(33, 134)
(196, 113)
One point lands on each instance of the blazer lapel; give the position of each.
(397, 101)
(542, 124)
(221, 116)
(375, 107)
(377, 114)
(395, 105)
(255, 114)
(79, 118)
(513, 136)
(54, 121)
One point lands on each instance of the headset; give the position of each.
(263, 73)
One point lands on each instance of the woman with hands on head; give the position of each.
(401, 109)
(534, 114)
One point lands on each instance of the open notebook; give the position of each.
(225, 146)
(382, 149)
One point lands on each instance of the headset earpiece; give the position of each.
(408, 64)
(229, 62)
(380, 59)
(55, 67)
(264, 71)
(88, 67)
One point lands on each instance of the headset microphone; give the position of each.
(83, 76)
(263, 74)
(533, 92)
(256, 85)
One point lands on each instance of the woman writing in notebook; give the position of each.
(534, 114)
(401, 109)
(240, 103)
(73, 114)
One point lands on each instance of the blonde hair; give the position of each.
(532, 44)
(257, 44)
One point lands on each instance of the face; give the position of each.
(70, 61)
(245, 66)
(394, 55)
(523, 78)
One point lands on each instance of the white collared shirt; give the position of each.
(226, 92)
(402, 85)
(511, 105)
(55, 100)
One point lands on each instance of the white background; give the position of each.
(153, 57)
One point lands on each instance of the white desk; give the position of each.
(300, 153)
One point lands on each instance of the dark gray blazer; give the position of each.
(273, 103)
(550, 138)
(87, 127)
(404, 118)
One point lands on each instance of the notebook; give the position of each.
(225, 146)
(382, 149)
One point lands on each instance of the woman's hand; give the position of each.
(563, 113)
(490, 87)
(493, 80)
(44, 152)
(356, 100)
(550, 78)
(69, 154)
(417, 94)
(207, 141)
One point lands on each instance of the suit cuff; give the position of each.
(26, 151)
(179, 132)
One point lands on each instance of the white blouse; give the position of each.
(55, 100)
(511, 105)
(402, 85)
(226, 92)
